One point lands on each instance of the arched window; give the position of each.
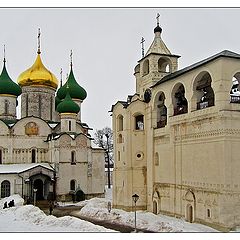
(6, 106)
(119, 156)
(156, 159)
(120, 123)
(164, 65)
(69, 126)
(139, 122)
(73, 185)
(208, 213)
(203, 92)
(145, 67)
(1, 156)
(161, 111)
(73, 157)
(5, 189)
(120, 138)
(180, 103)
(33, 155)
(235, 93)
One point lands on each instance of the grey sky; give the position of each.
(106, 45)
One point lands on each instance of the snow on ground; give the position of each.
(29, 218)
(97, 208)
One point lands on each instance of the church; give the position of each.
(177, 138)
(48, 152)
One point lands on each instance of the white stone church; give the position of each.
(177, 139)
(47, 151)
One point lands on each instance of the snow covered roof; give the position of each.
(18, 168)
(95, 145)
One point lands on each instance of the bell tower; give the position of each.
(155, 64)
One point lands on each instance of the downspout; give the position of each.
(22, 183)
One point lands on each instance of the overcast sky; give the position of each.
(106, 45)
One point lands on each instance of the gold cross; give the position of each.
(39, 33)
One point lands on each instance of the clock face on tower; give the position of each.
(147, 95)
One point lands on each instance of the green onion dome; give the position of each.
(57, 101)
(68, 105)
(75, 90)
(7, 86)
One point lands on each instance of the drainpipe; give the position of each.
(22, 184)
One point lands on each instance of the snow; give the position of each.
(18, 168)
(97, 208)
(29, 218)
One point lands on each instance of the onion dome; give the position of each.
(7, 86)
(38, 75)
(68, 105)
(75, 90)
(157, 29)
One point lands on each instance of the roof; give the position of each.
(68, 105)
(7, 86)
(18, 168)
(225, 53)
(75, 90)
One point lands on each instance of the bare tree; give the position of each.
(104, 138)
(101, 139)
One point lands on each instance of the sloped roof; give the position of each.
(225, 53)
(18, 168)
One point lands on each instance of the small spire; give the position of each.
(4, 54)
(39, 33)
(158, 15)
(61, 77)
(142, 42)
(71, 53)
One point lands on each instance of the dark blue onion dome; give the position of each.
(75, 90)
(68, 105)
(7, 86)
(157, 29)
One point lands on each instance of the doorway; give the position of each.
(38, 184)
(189, 213)
(154, 207)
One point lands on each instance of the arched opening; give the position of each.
(155, 210)
(161, 111)
(202, 91)
(180, 103)
(189, 213)
(119, 156)
(80, 196)
(208, 213)
(190, 206)
(5, 189)
(73, 157)
(156, 159)
(120, 123)
(6, 106)
(235, 93)
(69, 126)
(164, 65)
(38, 184)
(120, 138)
(139, 122)
(73, 185)
(33, 155)
(145, 67)
(1, 156)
